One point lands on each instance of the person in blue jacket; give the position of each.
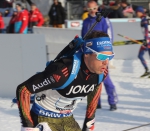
(104, 26)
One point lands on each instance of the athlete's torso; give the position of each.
(65, 100)
(145, 24)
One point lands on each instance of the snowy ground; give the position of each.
(133, 107)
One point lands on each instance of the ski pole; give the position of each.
(136, 41)
(99, 16)
(71, 46)
(137, 127)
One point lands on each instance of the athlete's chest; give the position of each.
(81, 86)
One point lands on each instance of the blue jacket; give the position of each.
(88, 22)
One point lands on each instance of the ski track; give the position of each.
(133, 107)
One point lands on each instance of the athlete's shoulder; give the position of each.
(63, 63)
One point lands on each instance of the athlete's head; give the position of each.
(98, 51)
(140, 12)
(92, 8)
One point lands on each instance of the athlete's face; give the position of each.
(95, 65)
(139, 14)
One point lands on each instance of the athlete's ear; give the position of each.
(86, 55)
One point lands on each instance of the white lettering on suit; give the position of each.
(42, 84)
(104, 43)
(80, 89)
(48, 114)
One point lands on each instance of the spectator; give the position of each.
(7, 13)
(21, 21)
(128, 9)
(87, 23)
(116, 10)
(10, 28)
(2, 25)
(85, 13)
(57, 14)
(35, 17)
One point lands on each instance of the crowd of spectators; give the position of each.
(118, 9)
(22, 20)
(56, 15)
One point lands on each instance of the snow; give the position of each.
(133, 107)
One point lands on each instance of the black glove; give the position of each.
(145, 43)
(88, 124)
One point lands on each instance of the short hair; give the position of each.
(124, 1)
(117, 1)
(96, 34)
(91, 1)
(18, 4)
(33, 4)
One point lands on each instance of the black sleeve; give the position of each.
(50, 14)
(120, 13)
(63, 13)
(92, 101)
(52, 77)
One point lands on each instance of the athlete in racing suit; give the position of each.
(54, 105)
(145, 24)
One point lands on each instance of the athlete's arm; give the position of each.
(144, 24)
(92, 100)
(53, 76)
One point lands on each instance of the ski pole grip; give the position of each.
(99, 16)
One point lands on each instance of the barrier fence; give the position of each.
(57, 39)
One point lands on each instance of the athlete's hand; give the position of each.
(145, 43)
(43, 126)
(76, 42)
(29, 129)
(88, 124)
(144, 46)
